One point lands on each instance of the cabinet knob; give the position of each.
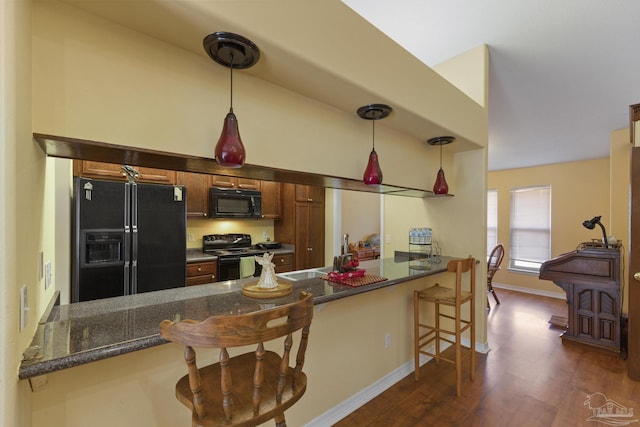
(309, 249)
(199, 268)
(204, 214)
(637, 277)
(309, 200)
(213, 276)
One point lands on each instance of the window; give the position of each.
(530, 228)
(492, 220)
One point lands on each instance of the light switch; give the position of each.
(24, 307)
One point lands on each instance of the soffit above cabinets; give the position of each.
(79, 149)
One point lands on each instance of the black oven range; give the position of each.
(230, 248)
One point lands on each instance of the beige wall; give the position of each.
(579, 191)
(96, 80)
(360, 215)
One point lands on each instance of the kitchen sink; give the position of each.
(312, 273)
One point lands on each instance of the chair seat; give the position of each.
(242, 370)
(443, 295)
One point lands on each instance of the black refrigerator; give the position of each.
(128, 238)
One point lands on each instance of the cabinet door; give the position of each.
(316, 236)
(248, 184)
(302, 235)
(223, 181)
(197, 193)
(101, 170)
(199, 273)
(283, 263)
(233, 182)
(309, 193)
(271, 200)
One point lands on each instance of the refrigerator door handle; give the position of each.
(127, 240)
(134, 237)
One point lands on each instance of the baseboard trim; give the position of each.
(558, 295)
(354, 402)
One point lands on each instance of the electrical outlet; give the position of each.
(387, 340)
(190, 237)
(387, 239)
(24, 307)
(265, 234)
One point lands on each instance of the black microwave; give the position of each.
(231, 203)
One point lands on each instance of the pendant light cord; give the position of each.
(231, 68)
(440, 156)
(373, 123)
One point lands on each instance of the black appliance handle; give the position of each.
(127, 240)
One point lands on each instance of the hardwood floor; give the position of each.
(528, 378)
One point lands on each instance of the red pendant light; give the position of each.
(372, 173)
(233, 51)
(440, 186)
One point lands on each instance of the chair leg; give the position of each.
(280, 421)
(416, 335)
(493, 292)
(472, 344)
(437, 332)
(458, 353)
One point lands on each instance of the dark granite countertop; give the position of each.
(79, 333)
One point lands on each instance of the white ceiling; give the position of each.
(562, 73)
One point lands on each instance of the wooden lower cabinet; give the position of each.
(283, 262)
(302, 224)
(200, 273)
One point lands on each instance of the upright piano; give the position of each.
(590, 276)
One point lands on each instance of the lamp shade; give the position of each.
(372, 173)
(440, 186)
(229, 150)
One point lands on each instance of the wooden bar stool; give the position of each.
(249, 389)
(425, 334)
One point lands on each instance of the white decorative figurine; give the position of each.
(268, 275)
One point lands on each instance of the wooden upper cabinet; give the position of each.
(233, 182)
(197, 193)
(111, 171)
(271, 199)
(309, 193)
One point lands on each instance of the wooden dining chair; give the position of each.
(493, 265)
(252, 388)
(428, 336)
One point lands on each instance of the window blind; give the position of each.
(530, 226)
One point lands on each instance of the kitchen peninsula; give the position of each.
(80, 333)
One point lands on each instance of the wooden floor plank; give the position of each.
(528, 378)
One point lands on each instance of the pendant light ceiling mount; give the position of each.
(232, 51)
(373, 173)
(441, 140)
(374, 111)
